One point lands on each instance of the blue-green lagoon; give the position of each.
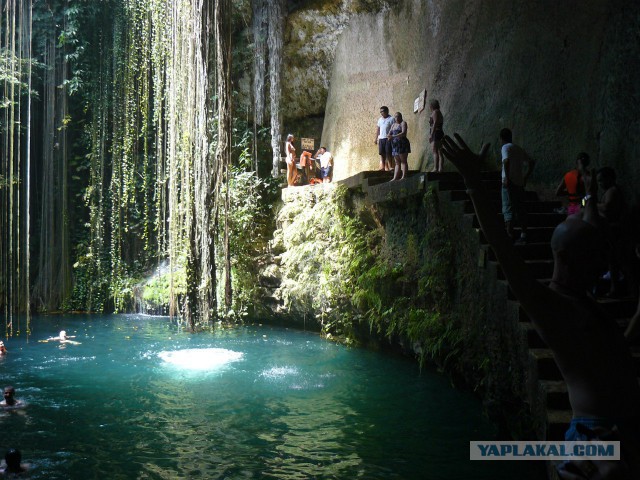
(142, 398)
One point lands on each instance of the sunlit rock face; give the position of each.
(563, 76)
(312, 30)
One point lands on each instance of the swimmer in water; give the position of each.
(3, 349)
(10, 399)
(14, 466)
(62, 338)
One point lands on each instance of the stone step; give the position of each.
(530, 251)
(621, 309)
(556, 393)
(531, 207)
(534, 340)
(458, 195)
(534, 234)
(391, 192)
(356, 180)
(557, 423)
(456, 177)
(548, 370)
(448, 185)
(537, 268)
(533, 219)
(383, 177)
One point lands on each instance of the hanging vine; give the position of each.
(15, 71)
(151, 90)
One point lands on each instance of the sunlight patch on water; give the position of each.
(200, 359)
(279, 372)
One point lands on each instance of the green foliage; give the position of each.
(251, 223)
(155, 293)
(90, 291)
(335, 267)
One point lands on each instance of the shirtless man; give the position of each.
(588, 347)
(3, 349)
(10, 399)
(62, 338)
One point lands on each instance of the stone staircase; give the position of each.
(548, 392)
(537, 255)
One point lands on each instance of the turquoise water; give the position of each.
(140, 398)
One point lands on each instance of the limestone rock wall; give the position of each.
(564, 76)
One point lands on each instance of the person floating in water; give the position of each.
(13, 464)
(10, 400)
(62, 338)
(3, 349)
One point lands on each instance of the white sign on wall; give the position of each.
(419, 103)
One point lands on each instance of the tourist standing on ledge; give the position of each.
(326, 164)
(385, 122)
(400, 146)
(572, 184)
(292, 172)
(514, 180)
(436, 134)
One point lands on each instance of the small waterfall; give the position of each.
(276, 32)
(149, 307)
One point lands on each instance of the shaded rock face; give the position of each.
(564, 76)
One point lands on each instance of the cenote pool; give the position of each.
(140, 398)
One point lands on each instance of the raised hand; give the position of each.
(467, 162)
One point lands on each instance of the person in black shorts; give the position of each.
(385, 122)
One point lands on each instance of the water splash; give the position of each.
(200, 359)
(279, 372)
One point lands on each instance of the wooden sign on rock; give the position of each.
(307, 143)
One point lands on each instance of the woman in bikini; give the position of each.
(292, 171)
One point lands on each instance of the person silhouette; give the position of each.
(14, 466)
(588, 347)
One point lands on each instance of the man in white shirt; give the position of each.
(385, 123)
(514, 179)
(326, 164)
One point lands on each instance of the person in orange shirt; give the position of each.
(572, 184)
(306, 162)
